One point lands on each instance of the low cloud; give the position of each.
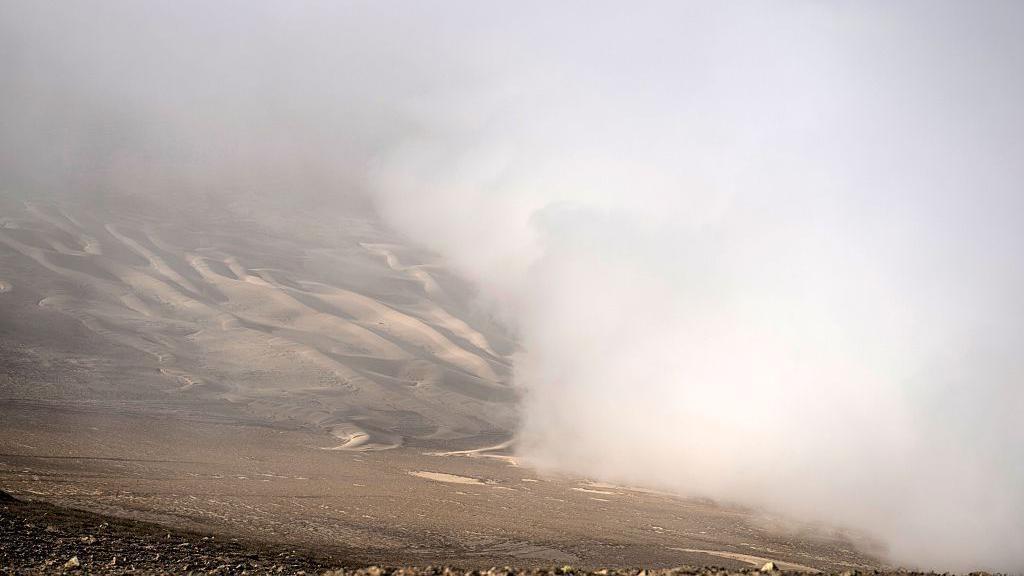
(766, 254)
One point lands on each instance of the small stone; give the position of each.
(769, 566)
(72, 563)
(88, 539)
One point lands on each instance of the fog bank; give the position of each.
(763, 253)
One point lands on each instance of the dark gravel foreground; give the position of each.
(37, 537)
(40, 538)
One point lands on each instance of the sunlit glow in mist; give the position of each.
(768, 253)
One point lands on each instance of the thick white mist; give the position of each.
(766, 253)
(771, 256)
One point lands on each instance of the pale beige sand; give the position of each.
(443, 477)
(758, 561)
(316, 329)
(430, 286)
(592, 491)
(355, 438)
(502, 452)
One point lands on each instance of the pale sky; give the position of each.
(771, 252)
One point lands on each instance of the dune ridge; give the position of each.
(275, 324)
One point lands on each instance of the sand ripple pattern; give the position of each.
(355, 333)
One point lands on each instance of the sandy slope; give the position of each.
(333, 332)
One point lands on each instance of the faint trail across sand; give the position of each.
(752, 560)
(497, 452)
(449, 478)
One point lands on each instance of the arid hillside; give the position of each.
(340, 327)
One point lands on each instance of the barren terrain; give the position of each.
(323, 386)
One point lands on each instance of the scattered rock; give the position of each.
(35, 537)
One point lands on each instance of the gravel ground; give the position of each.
(37, 538)
(40, 538)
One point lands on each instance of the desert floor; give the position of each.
(401, 506)
(317, 384)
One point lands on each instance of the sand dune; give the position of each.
(274, 325)
(155, 261)
(419, 272)
(211, 372)
(60, 220)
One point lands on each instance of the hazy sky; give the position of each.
(765, 252)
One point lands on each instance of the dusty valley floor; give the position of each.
(322, 388)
